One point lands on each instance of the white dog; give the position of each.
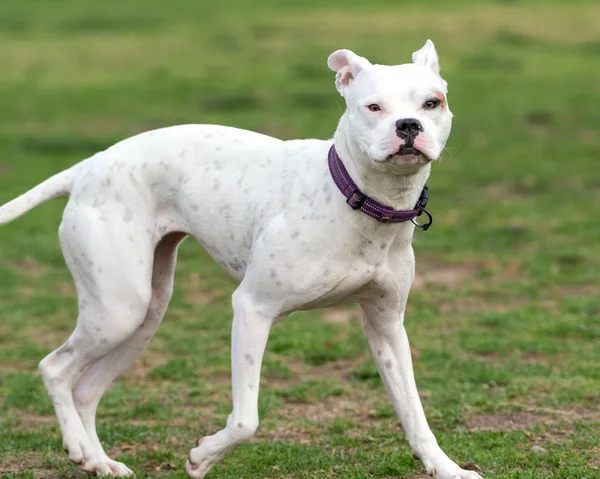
(286, 218)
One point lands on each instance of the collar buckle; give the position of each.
(356, 199)
(423, 199)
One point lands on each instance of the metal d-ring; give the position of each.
(424, 226)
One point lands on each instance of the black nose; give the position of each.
(408, 128)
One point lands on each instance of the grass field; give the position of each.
(504, 317)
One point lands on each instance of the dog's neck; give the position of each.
(388, 185)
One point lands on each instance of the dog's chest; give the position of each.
(346, 269)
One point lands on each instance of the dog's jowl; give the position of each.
(301, 224)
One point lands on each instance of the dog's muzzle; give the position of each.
(408, 129)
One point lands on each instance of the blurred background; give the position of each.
(504, 314)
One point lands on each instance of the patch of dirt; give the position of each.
(512, 272)
(116, 451)
(552, 301)
(66, 289)
(527, 419)
(30, 421)
(530, 358)
(448, 276)
(550, 305)
(576, 290)
(138, 372)
(292, 428)
(197, 293)
(341, 315)
(31, 462)
(475, 304)
(357, 407)
(132, 449)
(339, 369)
(301, 371)
(465, 276)
(27, 292)
(30, 267)
(534, 358)
(49, 338)
(13, 367)
(504, 421)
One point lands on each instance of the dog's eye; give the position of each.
(374, 107)
(431, 104)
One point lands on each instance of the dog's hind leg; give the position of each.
(99, 376)
(111, 263)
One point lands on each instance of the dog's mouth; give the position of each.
(407, 150)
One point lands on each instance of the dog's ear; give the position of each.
(427, 56)
(347, 65)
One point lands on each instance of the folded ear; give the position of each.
(427, 56)
(347, 65)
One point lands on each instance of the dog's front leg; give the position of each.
(251, 326)
(384, 329)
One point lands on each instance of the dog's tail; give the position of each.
(57, 185)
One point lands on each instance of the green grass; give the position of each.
(503, 319)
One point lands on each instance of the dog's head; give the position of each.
(395, 114)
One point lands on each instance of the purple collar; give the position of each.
(359, 201)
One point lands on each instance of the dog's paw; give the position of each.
(107, 468)
(203, 457)
(452, 472)
(80, 451)
(117, 469)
